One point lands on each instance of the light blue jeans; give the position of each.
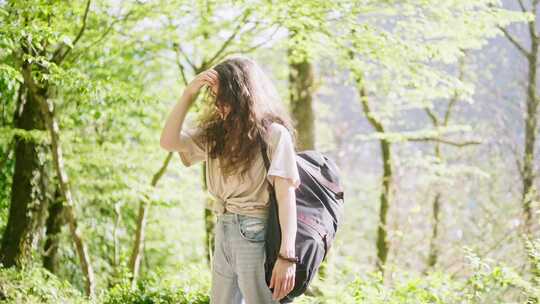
(238, 261)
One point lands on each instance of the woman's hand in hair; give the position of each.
(170, 139)
(208, 77)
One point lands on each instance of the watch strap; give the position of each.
(295, 259)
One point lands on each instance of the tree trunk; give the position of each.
(209, 224)
(529, 190)
(382, 242)
(47, 110)
(301, 101)
(28, 191)
(526, 166)
(531, 124)
(138, 243)
(209, 221)
(433, 249)
(384, 199)
(54, 224)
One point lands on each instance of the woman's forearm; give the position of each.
(170, 138)
(286, 197)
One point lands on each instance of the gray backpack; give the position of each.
(319, 210)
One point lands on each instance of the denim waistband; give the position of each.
(228, 217)
(231, 217)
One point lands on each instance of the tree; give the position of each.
(400, 63)
(44, 51)
(438, 142)
(301, 89)
(33, 53)
(526, 165)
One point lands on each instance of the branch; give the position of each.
(514, 41)
(494, 246)
(232, 36)
(519, 165)
(251, 48)
(83, 26)
(456, 96)
(532, 24)
(523, 9)
(137, 251)
(432, 116)
(58, 55)
(377, 125)
(362, 91)
(445, 141)
(176, 46)
(451, 104)
(110, 27)
(191, 64)
(118, 219)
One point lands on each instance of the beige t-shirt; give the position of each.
(250, 197)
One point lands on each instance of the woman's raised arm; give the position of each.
(170, 135)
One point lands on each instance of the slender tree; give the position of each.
(528, 160)
(443, 122)
(397, 67)
(387, 172)
(301, 90)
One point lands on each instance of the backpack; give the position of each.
(319, 210)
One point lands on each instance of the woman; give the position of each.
(245, 105)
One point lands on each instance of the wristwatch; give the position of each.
(294, 259)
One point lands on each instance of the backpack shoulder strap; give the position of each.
(266, 160)
(264, 153)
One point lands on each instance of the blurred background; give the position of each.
(430, 109)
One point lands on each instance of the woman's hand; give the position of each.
(283, 276)
(208, 77)
(170, 140)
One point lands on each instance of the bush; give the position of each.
(36, 285)
(487, 282)
(149, 292)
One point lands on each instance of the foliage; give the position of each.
(36, 285)
(151, 292)
(114, 89)
(486, 282)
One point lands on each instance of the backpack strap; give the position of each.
(266, 160)
(263, 150)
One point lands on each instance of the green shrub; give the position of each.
(150, 292)
(36, 285)
(436, 288)
(484, 282)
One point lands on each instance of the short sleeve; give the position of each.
(282, 156)
(192, 149)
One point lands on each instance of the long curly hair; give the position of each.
(254, 104)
